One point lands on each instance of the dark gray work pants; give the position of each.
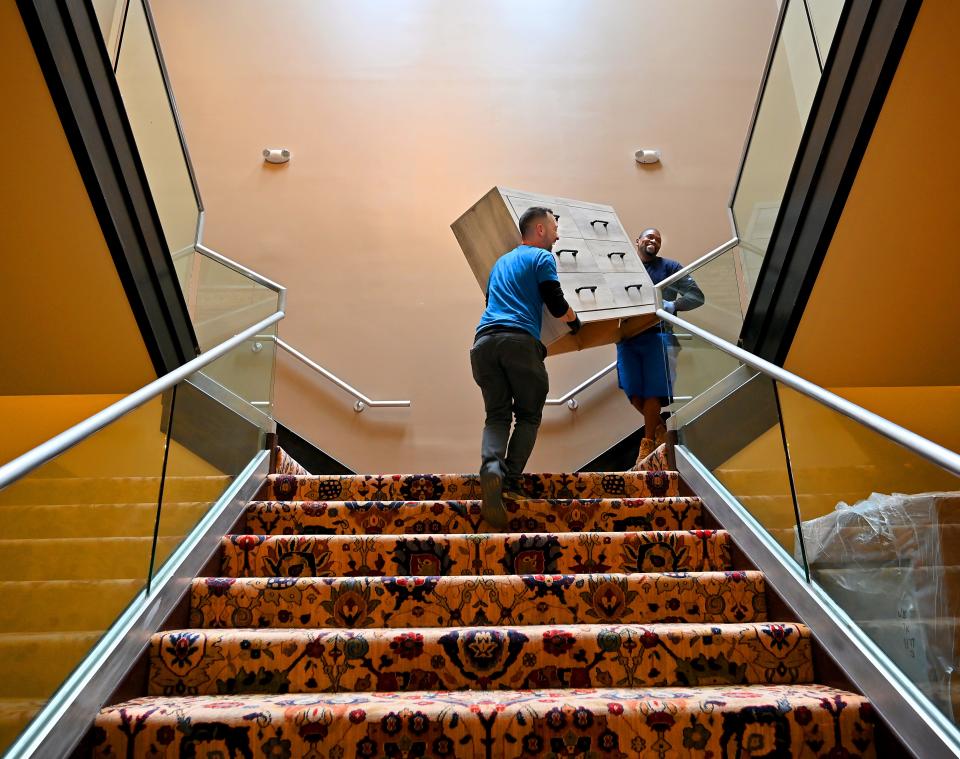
(508, 367)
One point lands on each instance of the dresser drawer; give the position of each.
(573, 255)
(566, 226)
(587, 292)
(630, 289)
(615, 257)
(598, 225)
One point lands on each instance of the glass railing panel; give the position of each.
(782, 114)
(223, 301)
(881, 528)
(751, 259)
(152, 119)
(76, 536)
(214, 434)
(110, 19)
(720, 280)
(694, 365)
(732, 426)
(824, 17)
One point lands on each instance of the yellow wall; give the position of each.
(400, 116)
(33, 419)
(883, 311)
(68, 327)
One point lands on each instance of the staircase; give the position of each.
(374, 616)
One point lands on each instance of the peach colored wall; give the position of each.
(883, 311)
(401, 115)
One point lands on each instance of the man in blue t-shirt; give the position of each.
(507, 355)
(646, 363)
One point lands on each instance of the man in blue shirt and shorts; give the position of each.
(646, 363)
(507, 355)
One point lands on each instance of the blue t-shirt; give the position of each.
(513, 290)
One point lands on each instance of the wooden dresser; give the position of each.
(600, 271)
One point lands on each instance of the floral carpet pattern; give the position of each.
(378, 616)
(461, 517)
(482, 554)
(353, 603)
(428, 487)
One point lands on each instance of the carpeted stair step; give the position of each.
(99, 520)
(430, 487)
(720, 721)
(533, 553)
(15, 713)
(366, 602)
(35, 664)
(80, 558)
(63, 605)
(462, 517)
(204, 662)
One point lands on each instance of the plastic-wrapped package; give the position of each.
(891, 563)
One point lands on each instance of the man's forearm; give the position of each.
(688, 295)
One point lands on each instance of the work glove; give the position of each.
(574, 326)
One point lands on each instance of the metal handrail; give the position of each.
(937, 454)
(362, 400)
(22, 465)
(573, 403)
(706, 258)
(241, 269)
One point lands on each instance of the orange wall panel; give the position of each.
(883, 311)
(67, 325)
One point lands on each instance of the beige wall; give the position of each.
(883, 311)
(68, 327)
(401, 115)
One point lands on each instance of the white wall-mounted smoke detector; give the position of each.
(276, 155)
(647, 156)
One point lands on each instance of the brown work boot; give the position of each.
(492, 509)
(647, 446)
(660, 435)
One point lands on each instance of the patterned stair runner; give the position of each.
(374, 616)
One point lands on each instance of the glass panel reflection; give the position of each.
(75, 541)
(787, 97)
(881, 529)
(148, 107)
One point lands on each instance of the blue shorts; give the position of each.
(646, 366)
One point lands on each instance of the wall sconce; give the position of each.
(647, 156)
(276, 155)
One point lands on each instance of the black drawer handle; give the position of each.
(600, 221)
(591, 288)
(571, 251)
(627, 287)
(617, 253)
